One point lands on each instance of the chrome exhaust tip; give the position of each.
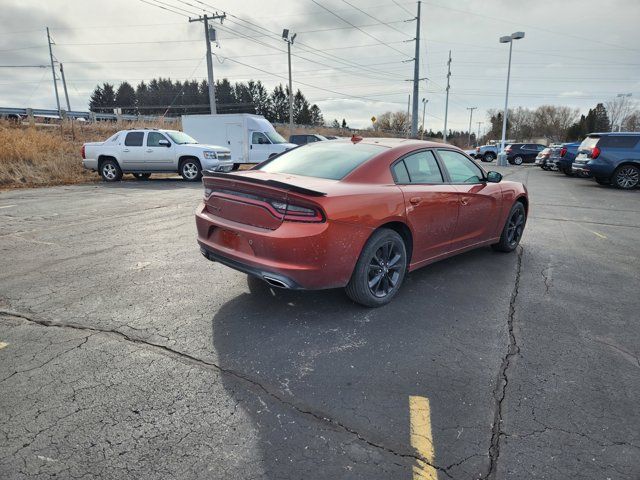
(275, 282)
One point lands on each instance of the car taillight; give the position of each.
(82, 153)
(477, 149)
(595, 152)
(508, 150)
(297, 213)
(563, 151)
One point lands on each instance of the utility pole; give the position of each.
(471, 109)
(212, 88)
(53, 71)
(408, 110)
(64, 85)
(446, 105)
(285, 37)
(478, 137)
(416, 78)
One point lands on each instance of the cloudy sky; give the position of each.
(575, 53)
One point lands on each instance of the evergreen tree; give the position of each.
(126, 98)
(316, 116)
(344, 123)
(280, 102)
(335, 123)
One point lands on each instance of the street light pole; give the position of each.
(471, 109)
(285, 37)
(424, 109)
(502, 157)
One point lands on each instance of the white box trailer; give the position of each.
(251, 138)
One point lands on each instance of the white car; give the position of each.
(146, 151)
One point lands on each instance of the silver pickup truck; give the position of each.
(146, 151)
(487, 153)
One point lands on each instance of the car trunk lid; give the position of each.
(259, 199)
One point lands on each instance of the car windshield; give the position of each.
(180, 138)
(323, 159)
(275, 137)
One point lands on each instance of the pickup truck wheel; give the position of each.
(110, 171)
(142, 176)
(191, 170)
(488, 157)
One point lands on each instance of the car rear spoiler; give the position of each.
(269, 183)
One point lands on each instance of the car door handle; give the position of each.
(464, 200)
(149, 150)
(415, 200)
(125, 149)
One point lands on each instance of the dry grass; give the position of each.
(45, 155)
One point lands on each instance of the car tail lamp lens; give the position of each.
(563, 151)
(297, 213)
(83, 152)
(595, 152)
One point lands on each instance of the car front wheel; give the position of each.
(191, 170)
(626, 177)
(380, 269)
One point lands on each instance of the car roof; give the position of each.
(390, 142)
(614, 134)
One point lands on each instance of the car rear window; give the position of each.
(332, 160)
(589, 142)
(619, 141)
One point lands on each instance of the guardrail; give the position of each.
(30, 113)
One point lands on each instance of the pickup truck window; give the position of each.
(134, 139)
(153, 138)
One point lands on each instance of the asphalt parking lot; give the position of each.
(125, 354)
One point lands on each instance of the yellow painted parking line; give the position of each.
(421, 440)
(3, 344)
(6, 206)
(597, 234)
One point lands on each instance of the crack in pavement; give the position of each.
(193, 360)
(500, 391)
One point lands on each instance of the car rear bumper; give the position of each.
(591, 168)
(295, 255)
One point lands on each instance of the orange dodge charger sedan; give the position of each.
(358, 214)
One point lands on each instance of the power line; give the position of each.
(376, 19)
(359, 29)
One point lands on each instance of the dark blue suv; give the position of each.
(611, 158)
(565, 157)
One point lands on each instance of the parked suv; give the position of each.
(519, 153)
(611, 158)
(306, 138)
(565, 157)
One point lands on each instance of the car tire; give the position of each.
(191, 170)
(626, 177)
(380, 269)
(602, 181)
(488, 157)
(110, 171)
(567, 172)
(513, 229)
(518, 160)
(142, 176)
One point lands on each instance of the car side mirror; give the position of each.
(494, 177)
(164, 143)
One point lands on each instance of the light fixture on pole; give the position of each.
(424, 108)
(289, 40)
(502, 156)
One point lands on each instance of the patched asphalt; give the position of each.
(125, 354)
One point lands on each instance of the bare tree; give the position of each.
(619, 109)
(552, 122)
(632, 122)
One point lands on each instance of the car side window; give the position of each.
(134, 139)
(311, 138)
(153, 139)
(619, 141)
(400, 173)
(421, 167)
(259, 138)
(460, 168)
